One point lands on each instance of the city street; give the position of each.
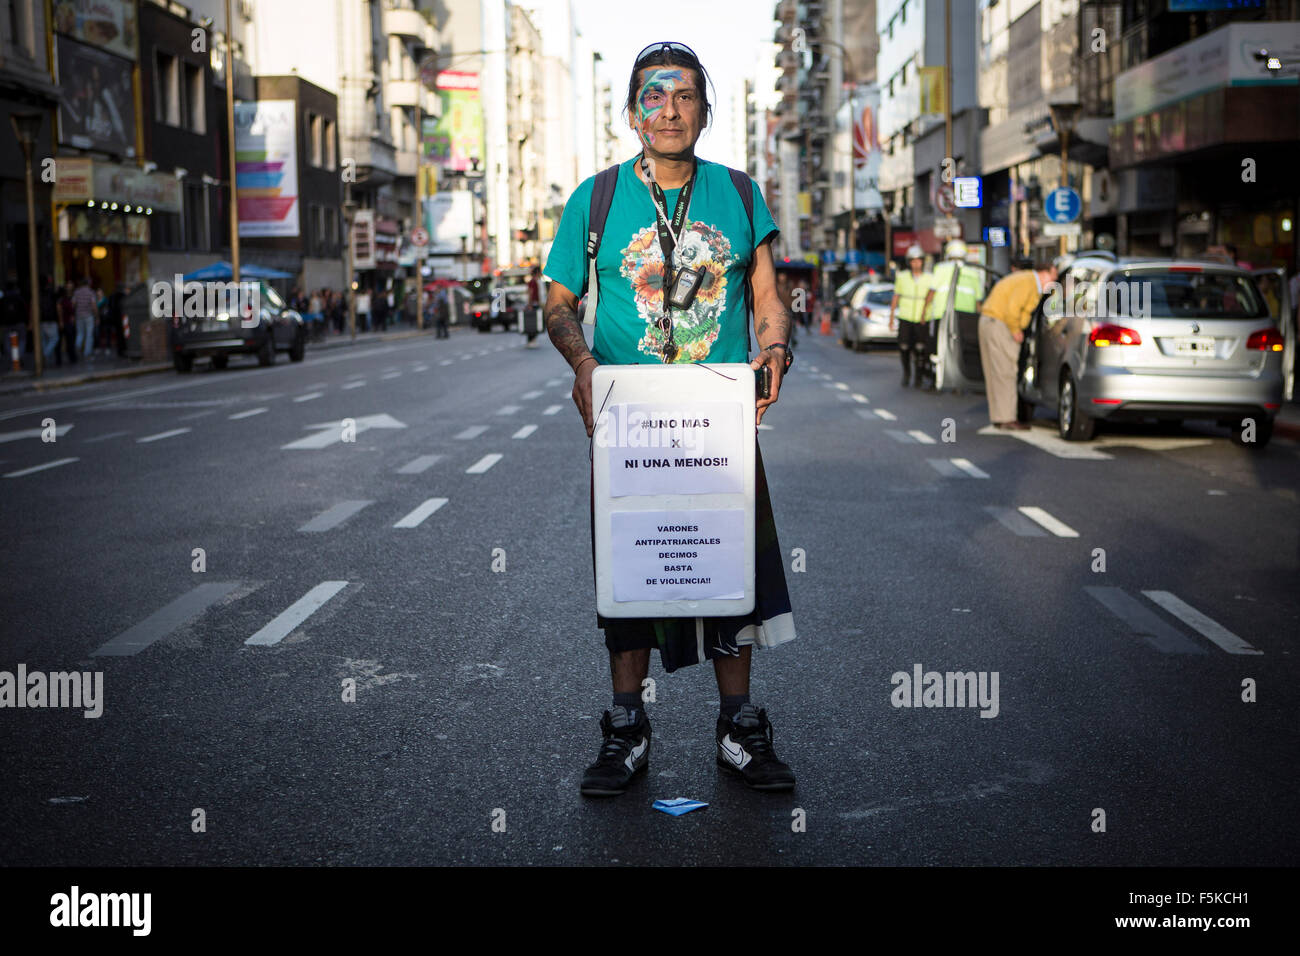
(441, 562)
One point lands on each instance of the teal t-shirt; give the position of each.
(630, 265)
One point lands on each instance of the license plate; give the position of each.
(1198, 347)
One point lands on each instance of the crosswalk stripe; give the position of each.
(1209, 627)
(1016, 522)
(418, 465)
(507, 409)
(921, 436)
(351, 385)
(970, 469)
(334, 515)
(1144, 622)
(552, 409)
(35, 468)
(472, 432)
(248, 414)
(167, 619)
(309, 396)
(886, 415)
(525, 431)
(161, 435)
(1054, 525)
(483, 464)
(297, 612)
(416, 517)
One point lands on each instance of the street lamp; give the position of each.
(349, 212)
(27, 126)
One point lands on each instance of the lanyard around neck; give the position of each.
(668, 232)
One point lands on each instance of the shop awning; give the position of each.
(222, 270)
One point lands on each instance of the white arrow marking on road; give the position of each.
(48, 464)
(921, 436)
(507, 409)
(248, 414)
(975, 472)
(552, 409)
(886, 415)
(351, 385)
(1057, 527)
(860, 399)
(418, 465)
(59, 432)
(472, 432)
(483, 464)
(525, 431)
(161, 435)
(296, 613)
(416, 517)
(308, 397)
(334, 515)
(528, 395)
(1208, 626)
(333, 431)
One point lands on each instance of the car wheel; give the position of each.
(845, 342)
(182, 362)
(220, 361)
(1073, 424)
(298, 350)
(266, 354)
(1262, 436)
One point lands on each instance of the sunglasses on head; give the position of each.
(664, 47)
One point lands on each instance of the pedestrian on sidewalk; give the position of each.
(1004, 316)
(666, 200)
(68, 322)
(49, 322)
(85, 305)
(913, 291)
(534, 305)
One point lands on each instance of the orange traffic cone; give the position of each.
(826, 323)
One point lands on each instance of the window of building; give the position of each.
(197, 120)
(331, 151)
(20, 27)
(166, 89)
(317, 132)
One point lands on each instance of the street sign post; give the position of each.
(1062, 205)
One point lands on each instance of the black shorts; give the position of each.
(913, 335)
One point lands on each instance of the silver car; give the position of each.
(1129, 339)
(867, 318)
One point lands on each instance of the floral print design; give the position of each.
(696, 329)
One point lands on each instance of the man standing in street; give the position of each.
(534, 304)
(1004, 315)
(85, 306)
(668, 209)
(912, 292)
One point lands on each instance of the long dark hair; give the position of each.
(671, 57)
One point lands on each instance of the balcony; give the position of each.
(407, 162)
(406, 23)
(402, 93)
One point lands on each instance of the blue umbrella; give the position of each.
(222, 270)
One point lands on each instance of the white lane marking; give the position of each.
(308, 397)
(552, 382)
(351, 385)
(419, 368)
(1207, 626)
(765, 428)
(445, 362)
(386, 376)
(161, 435)
(328, 433)
(898, 436)
(1052, 444)
(297, 612)
(529, 395)
(416, 517)
(507, 409)
(49, 464)
(483, 464)
(865, 415)
(165, 620)
(419, 465)
(828, 384)
(970, 469)
(841, 386)
(356, 375)
(525, 431)
(886, 415)
(190, 418)
(334, 515)
(1054, 525)
(944, 467)
(1016, 522)
(921, 436)
(91, 441)
(860, 399)
(248, 414)
(466, 358)
(1144, 622)
(59, 432)
(472, 432)
(552, 409)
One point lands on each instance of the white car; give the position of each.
(867, 321)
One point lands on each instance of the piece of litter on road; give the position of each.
(59, 801)
(678, 805)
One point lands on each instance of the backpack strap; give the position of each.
(602, 197)
(742, 182)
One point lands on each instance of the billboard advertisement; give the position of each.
(108, 24)
(266, 167)
(98, 107)
(456, 137)
(866, 148)
(448, 217)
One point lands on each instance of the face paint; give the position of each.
(650, 102)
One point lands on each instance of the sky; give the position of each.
(725, 34)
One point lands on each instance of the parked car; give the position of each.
(843, 294)
(867, 319)
(1167, 339)
(218, 334)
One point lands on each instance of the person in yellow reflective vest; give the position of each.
(912, 294)
(970, 286)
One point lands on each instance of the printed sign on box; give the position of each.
(678, 555)
(684, 448)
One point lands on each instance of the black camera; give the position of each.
(686, 284)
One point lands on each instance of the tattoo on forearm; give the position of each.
(774, 327)
(565, 331)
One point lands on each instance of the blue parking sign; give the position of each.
(967, 192)
(1062, 205)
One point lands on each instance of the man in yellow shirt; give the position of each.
(1004, 316)
(912, 294)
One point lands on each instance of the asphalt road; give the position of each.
(479, 692)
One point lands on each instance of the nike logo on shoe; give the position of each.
(738, 757)
(636, 753)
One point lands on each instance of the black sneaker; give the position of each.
(624, 754)
(745, 747)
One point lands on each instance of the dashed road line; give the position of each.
(248, 414)
(472, 432)
(507, 409)
(841, 386)
(389, 375)
(901, 437)
(351, 385)
(859, 398)
(1054, 525)
(334, 516)
(165, 620)
(552, 382)
(970, 469)
(419, 465)
(419, 368)
(416, 517)
(886, 415)
(1016, 522)
(530, 395)
(483, 464)
(1207, 626)
(91, 441)
(309, 396)
(297, 612)
(35, 468)
(192, 417)
(921, 436)
(1144, 622)
(161, 435)
(552, 409)
(445, 362)
(525, 431)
